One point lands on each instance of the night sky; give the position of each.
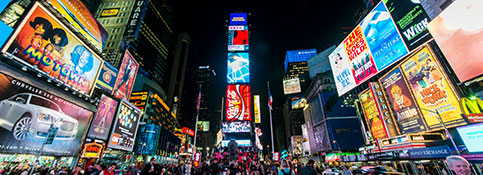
(275, 26)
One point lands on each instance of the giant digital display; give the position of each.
(100, 125)
(43, 42)
(125, 127)
(291, 86)
(238, 68)
(125, 78)
(411, 21)
(472, 136)
(235, 127)
(238, 19)
(238, 103)
(256, 108)
(458, 32)
(224, 143)
(382, 37)
(362, 62)
(237, 40)
(372, 115)
(432, 90)
(406, 114)
(107, 77)
(341, 70)
(26, 114)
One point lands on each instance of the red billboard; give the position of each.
(125, 77)
(238, 103)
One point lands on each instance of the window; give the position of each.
(22, 99)
(44, 103)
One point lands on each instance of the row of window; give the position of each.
(117, 3)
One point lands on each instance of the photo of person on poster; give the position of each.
(458, 165)
(41, 27)
(402, 102)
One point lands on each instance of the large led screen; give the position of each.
(256, 108)
(237, 40)
(291, 86)
(224, 143)
(238, 103)
(125, 127)
(125, 77)
(472, 136)
(26, 113)
(235, 127)
(341, 70)
(100, 125)
(382, 37)
(373, 118)
(238, 68)
(43, 42)
(238, 19)
(432, 90)
(458, 30)
(107, 77)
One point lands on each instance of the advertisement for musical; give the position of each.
(126, 77)
(382, 37)
(92, 150)
(383, 108)
(107, 77)
(432, 90)
(411, 21)
(43, 42)
(125, 127)
(362, 62)
(372, 115)
(406, 114)
(461, 40)
(341, 69)
(26, 114)
(101, 123)
(238, 103)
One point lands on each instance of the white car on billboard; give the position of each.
(27, 114)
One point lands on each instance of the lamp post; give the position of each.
(448, 134)
(336, 144)
(52, 125)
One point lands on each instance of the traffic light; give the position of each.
(51, 135)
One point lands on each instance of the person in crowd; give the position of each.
(286, 170)
(77, 171)
(151, 168)
(308, 169)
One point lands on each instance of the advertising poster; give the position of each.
(298, 102)
(238, 68)
(107, 77)
(382, 37)
(238, 19)
(204, 126)
(472, 136)
(136, 18)
(125, 77)
(148, 142)
(125, 127)
(291, 86)
(81, 19)
(461, 40)
(362, 62)
(43, 42)
(235, 127)
(473, 109)
(372, 115)
(26, 113)
(411, 21)
(100, 125)
(297, 144)
(383, 108)
(139, 99)
(256, 108)
(406, 114)
(432, 90)
(341, 69)
(238, 103)
(111, 12)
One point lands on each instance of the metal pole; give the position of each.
(448, 134)
(196, 123)
(271, 125)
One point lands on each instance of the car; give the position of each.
(378, 170)
(27, 114)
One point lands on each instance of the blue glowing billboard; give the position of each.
(238, 68)
(238, 19)
(472, 135)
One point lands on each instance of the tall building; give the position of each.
(296, 65)
(178, 71)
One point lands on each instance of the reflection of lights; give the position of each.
(24, 68)
(39, 75)
(472, 98)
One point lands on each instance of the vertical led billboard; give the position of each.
(43, 42)
(372, 115)
(341, 69)
(100, 125)
(237, 19)
(238, 103)
(256, 108)
(458, 30)
(238, 68)
(432, 90)
(238, 39)
(125, 127)
(125, 78)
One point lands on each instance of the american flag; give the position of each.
(270, 98)
(198, 102)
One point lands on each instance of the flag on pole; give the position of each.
(198, 102)
(270, 98)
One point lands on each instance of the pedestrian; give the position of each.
(308, 169)
(214, 168)
(286, 170)
(133, 170)
(77, 171)
(151, 168)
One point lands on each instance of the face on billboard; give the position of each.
(291, 86)
(238, 19)
(461, 40)
(125, 78)
(235, 127)
(238, 68)
(41, 41)
(238, 103)
(339, 61)
(382, 37)
(125, 128)
(107, 77)
(432, 90)
(372, 115)
(26, 113)
(102, 121)
(407, 116)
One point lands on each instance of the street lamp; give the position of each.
(448, 134)
(336, 144)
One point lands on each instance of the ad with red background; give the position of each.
(126, 77)
(238, 103)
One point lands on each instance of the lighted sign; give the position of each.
(235, 127)
(238, 70)
(341, 70)
(100, 125)
(139, 99)
(238, 103)
(472, 109)
(224, 143)
(107, 77)
(237, 40)
(256, 108)
(372, 115)
(92, 150)
(125, 78)
(238, 19)
(291, 86)
(472, 136)
(125, 128)
(110, 12)
(204, 126)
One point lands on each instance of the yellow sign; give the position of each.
(373, 119)
(432, 90)
(92, 150)
(110, 12)
(256, 108)
(473, 109)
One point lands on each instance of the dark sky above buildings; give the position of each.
(275, 26)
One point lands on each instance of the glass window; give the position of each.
(44, 103)
(22, 98)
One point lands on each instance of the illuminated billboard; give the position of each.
(101, 123)
(139, 99)
(125, 127)
(224, 143)
(125, 78)
(471, 136)
(298, 102)
(79, 17)
(457, 31)
(107, 77)
(372, 115)
(341, 70)
(26, 114)
(238, 103)
(291, 86)
(238, 68)
(43, 42)
(237, 40)
(235, 127)
(204, 126)
(256, 108)
(111, 12)
(238, 19)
